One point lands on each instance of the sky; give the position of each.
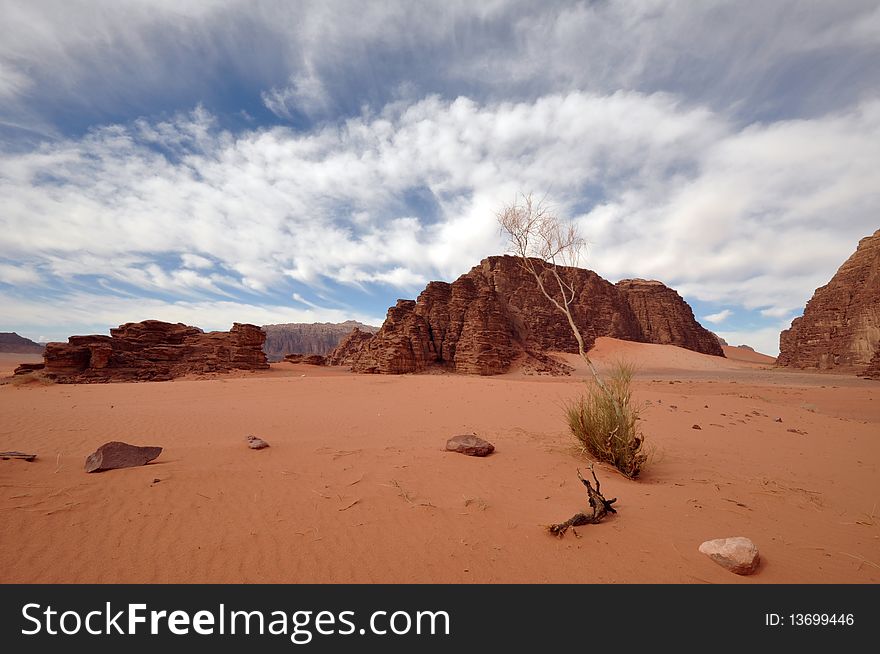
(264, 161)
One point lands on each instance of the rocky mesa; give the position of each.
(153, 350)
(496, 314)
(840, 328)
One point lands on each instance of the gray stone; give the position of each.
(256, 443)
(738, 554)
(469, 444)
(116, 454)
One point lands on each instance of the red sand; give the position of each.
(356, 486)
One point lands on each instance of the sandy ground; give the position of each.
(356, 486)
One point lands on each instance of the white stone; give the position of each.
(737, 554)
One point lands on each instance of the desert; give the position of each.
(356, 486)
(443, 293)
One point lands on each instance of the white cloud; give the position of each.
(738, 216)
(305, 94)
(195, 261)
(19, 275)
(85, 312)
(718, 318)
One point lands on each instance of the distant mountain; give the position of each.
(12, 342)
(308, 338)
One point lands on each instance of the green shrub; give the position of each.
(605, 421)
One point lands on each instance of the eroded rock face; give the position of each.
(117, 454)
(665, 318)
(153, 350)
(873, 369)
(347, 351)
(495, 314)
(840, 328)
(308, 338)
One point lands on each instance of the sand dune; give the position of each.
(744, 354)
(356, 486)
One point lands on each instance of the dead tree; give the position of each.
(542, 244)
(599, 508)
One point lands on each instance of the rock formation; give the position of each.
(12, 342)
(873, 369)
(840, 328)
(153, 351)
(665, 318)
(346, 352)
(305, 338)
(495, 314)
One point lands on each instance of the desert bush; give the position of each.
(606, 421)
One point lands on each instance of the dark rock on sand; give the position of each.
(469, 444)
(116, 454)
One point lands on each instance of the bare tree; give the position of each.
(543, 244)
(606, 424)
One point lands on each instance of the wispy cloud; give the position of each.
(682, 195)
(718, 318)
(729, 153)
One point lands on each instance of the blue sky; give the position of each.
(211, 162)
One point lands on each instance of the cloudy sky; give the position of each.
(267, 161)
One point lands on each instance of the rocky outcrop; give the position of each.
(305, 338)
(665, 318)
(496, 314)
(873, 369)
(12, 342)
(840, 328)
(347, 351)
(28, 368)
(153, 350)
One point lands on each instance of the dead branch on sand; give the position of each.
(599, 505)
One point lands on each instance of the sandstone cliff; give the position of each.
(152, 351)
(840, 328)
(495, 314)
(665, 318)
(307, 338)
